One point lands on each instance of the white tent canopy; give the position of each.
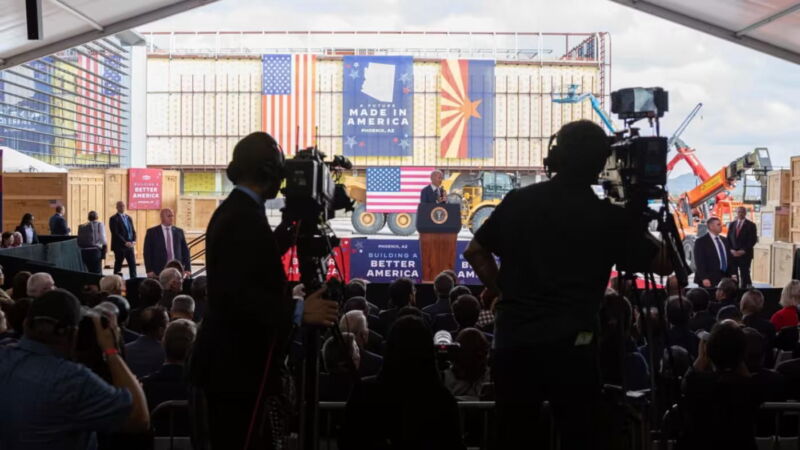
(14, 161)
(769, 26)
(69, 23)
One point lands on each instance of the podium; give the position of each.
(438, 225)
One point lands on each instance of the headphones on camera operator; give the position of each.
(573, 149)
(258, 158)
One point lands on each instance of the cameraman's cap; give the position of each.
(58, 306)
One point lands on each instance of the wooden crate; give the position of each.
(774, 224)
(795, 166)
(782, 263)
(196, 212)
(779, 187)
(762, 261)
(35, 193)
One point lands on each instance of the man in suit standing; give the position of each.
(251, 314)
(434, 192)
(712, 256)
(742, 237)
(58, 224)
(163, 243)
(123, 240)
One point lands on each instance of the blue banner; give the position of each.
(385, 260)
(377, 105)
(25, 121)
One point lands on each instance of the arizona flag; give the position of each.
(466, 108)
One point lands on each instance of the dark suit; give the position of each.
(742, 239)
(144, 356)
(155, 249)
(441, 306)
(58, 225)
(167, 383)
(21, 230)
(707, 260)
(250, 314)
(120, 235)
(428, 195)
(370, 364)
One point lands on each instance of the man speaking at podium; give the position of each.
(434, 193)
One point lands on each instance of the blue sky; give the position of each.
(750, 100)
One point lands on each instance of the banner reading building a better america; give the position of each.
(377, 105)
(144, 188)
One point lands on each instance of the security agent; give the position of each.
(251, 314)
(557, 243)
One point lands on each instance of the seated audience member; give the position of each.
(702, 318)
(787, 316)
(124, 309)
(406, 406)
(6, 337)
(615, 337)
(3, 294)
(50, 402)
(441, 287)
(146, 354)
(150, 293)
(19, 285)
(17, 240)
(729, 312)
(375, 341)
(447, 321)
(452, 274)
(354, 322)
(751, 305)
(652, 334)
(679, 311)
(357, 287)
(16, 319)
(725, 295)
(7, 239)
(169, 382)
(771, 382)
(182, 308)
(177, 265)
(199, 292)
(401, 293)
(470, 369)
(172, 282)
(675, 361)
(486, 318)
(112, 284)
(338, 380)
(466, 310)
(40, 283)
(721, 399)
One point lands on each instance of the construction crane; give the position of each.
(692, 207)
(573, 97)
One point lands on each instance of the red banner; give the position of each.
(339, 262)
(144, 188)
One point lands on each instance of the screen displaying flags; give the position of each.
(396, 189)
(466, 108)
(288, 104)
(98, 110)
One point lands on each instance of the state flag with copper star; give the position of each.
(466, 108)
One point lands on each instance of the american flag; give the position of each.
(396, 189)
(288, 105)
(98, 121)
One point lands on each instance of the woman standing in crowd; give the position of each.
(27, 230)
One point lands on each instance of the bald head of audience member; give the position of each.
(40, 283)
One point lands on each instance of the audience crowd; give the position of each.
(712, 357)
